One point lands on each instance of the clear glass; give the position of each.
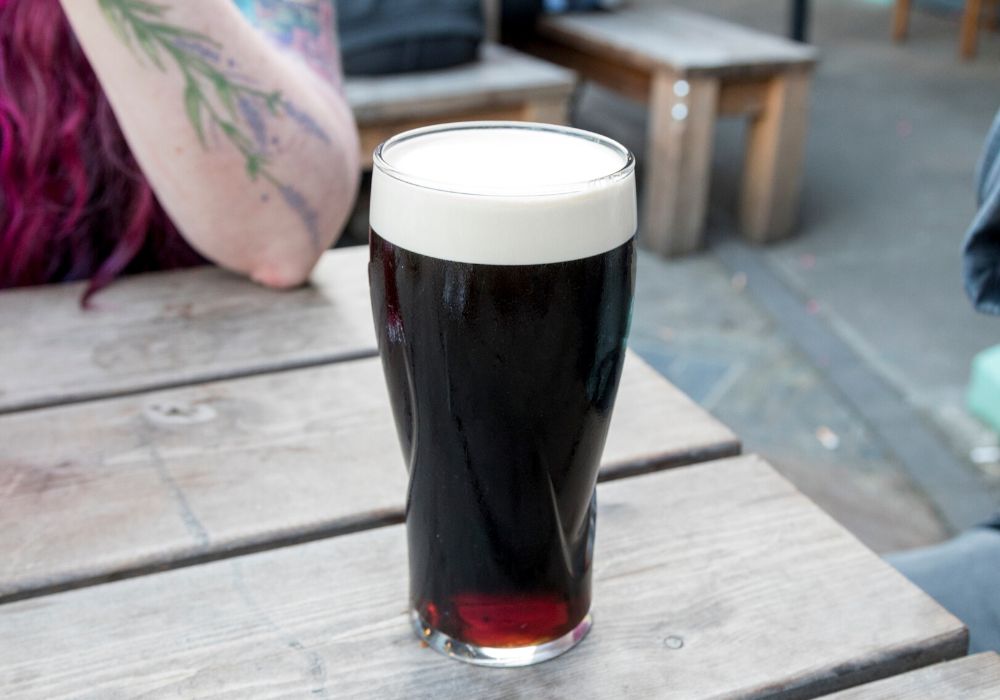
(502, 379)
(381, 154)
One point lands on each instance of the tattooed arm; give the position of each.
(306, 28)
(253, 155)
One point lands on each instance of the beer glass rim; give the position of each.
(560, 188)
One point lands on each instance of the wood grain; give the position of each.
(117, 487)
(743, 97)
(718, 580)
(655, 36)
(969, 33)
(772, 173)
(173, 328)
(970, 678)
(547, 111)
(501, 78)
(900, 19)
(678, 162)
(612, 71)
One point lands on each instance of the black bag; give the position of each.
(399, 36)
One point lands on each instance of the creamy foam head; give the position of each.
(503, 193)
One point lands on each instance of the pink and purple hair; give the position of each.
(74, 203)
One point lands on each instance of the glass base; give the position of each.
(499, 657)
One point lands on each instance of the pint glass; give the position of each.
(502, 269)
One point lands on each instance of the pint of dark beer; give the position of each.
(502, 269)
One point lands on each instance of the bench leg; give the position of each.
(772, 173)
(970, 28)
(900, 20)
(678, 159)
(547, 111)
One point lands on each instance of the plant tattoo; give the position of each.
(217, 98)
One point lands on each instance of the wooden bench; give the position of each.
(968, 34)
(691, 69)
(503, 84)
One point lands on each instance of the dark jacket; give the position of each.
(981, 250)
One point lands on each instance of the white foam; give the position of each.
(503, 193)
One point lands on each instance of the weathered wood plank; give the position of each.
(116, 487)
(655, 36)
(718, 580)
(679, 161)
(743, 97)
(772, 173)
(900, 19)
(547, 111)
(970, 678)
(173, 328)
(501, 78)
(613, 72)
(969, 33)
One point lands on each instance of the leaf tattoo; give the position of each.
(214, 99)
(191, 104)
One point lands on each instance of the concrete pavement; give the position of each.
(894, 135)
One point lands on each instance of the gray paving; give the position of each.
(955, 489)
(697, 324)
(894, 135)
(885, 216)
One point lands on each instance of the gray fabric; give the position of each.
(981, 250)
(963, 575)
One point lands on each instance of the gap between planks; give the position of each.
(363, 521)
(635, 446)
(196, 380)
(767, 595)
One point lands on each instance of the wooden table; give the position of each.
(970, 678)
(227, 452)
(502, 85)
(692, 69)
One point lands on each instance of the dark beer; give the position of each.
(502, 378)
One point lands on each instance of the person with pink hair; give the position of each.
(149, 134)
